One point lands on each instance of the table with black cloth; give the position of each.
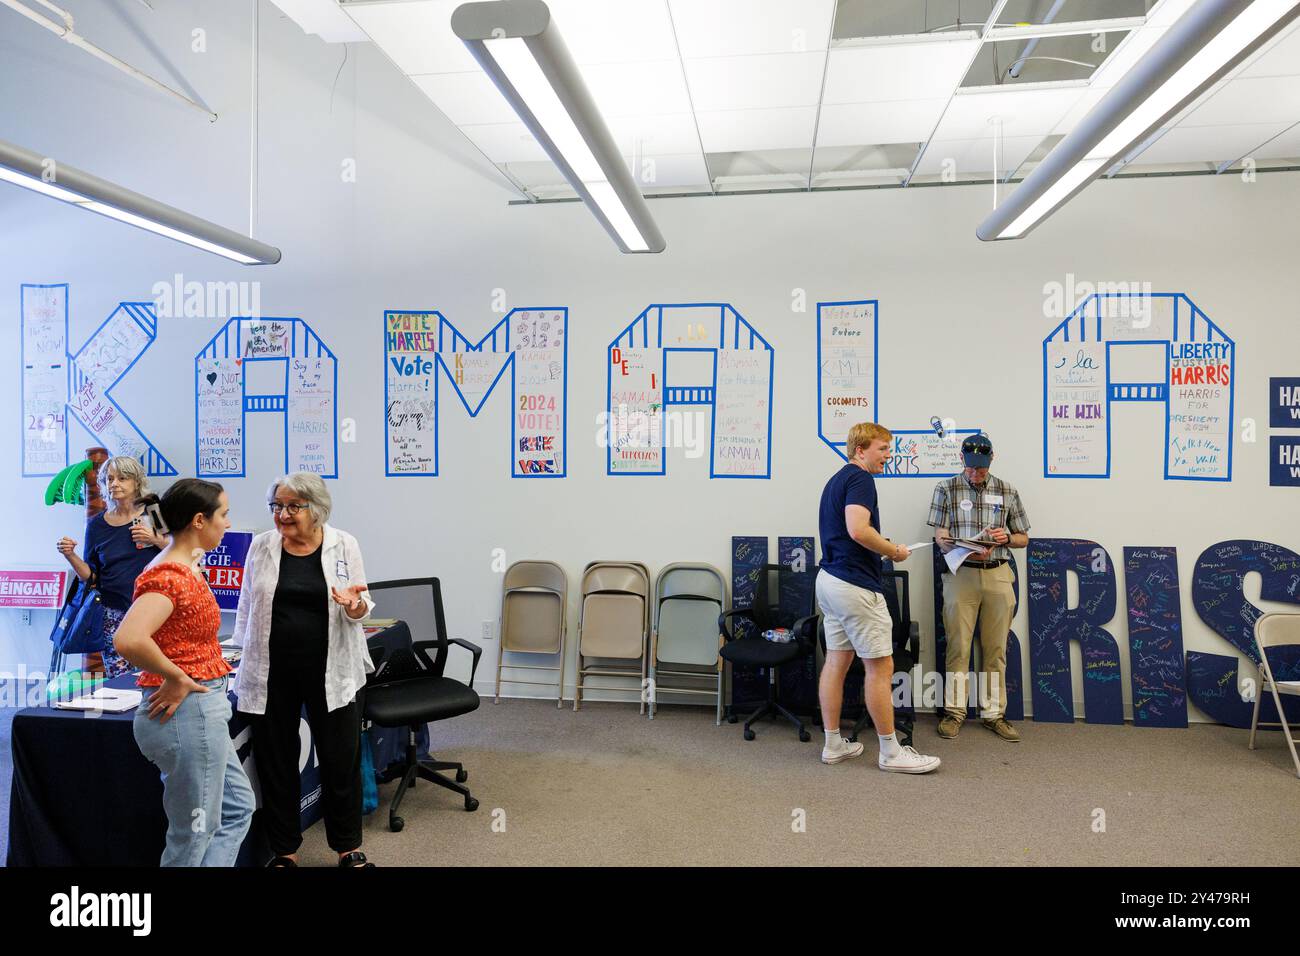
(84, 795)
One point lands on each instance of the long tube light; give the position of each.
(22, 167)
(519, 47)
(1202, 47)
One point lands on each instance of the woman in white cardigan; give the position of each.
(299, 624)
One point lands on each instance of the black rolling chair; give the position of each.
(754, 650)
(408, 688)
(907, 650)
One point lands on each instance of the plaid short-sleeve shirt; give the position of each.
(966, 510)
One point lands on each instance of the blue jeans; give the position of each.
(206, 794)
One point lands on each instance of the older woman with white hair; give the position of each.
(119, 543)
(299, 623)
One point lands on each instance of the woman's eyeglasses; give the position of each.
(292, 509)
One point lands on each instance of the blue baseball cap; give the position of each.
(977, 451)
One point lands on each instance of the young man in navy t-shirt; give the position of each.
(851, 596)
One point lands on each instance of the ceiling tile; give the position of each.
(1280, 58)
(467, 97)
(416, 35)
(768, 81)
(737, 131)
(1286, 146)
(637, 89)
(707, 28)
(605, 31)
(1210, 144)
(1271, 99)
(857, 124)
(897, 71)
(1023, 112)
(505, 142)
(661, 135)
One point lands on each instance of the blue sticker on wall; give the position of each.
(1284, 402)
(1284, 461)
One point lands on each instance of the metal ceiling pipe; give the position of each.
(1014, 71)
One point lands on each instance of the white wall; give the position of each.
(427, 225)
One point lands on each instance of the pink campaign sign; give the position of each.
(32, 589)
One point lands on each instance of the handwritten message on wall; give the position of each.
(45, 377)
(528, 345)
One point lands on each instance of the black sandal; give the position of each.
(354, 860)
(280, 861)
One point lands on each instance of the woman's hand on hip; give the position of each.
(164, 701)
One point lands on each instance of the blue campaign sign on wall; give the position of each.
(270, 366)
(54, 379)
(1117, 348)
(1284, 402)
(1284, 461)
(530, 345)
(848, 392)
(702, 354)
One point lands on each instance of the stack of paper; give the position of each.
(106, 700)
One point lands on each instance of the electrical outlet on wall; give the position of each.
(489, 630)
(25, 618)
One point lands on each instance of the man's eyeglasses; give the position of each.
(292, 508)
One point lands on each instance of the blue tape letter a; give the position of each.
(1053, 624)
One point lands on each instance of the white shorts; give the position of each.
(855, 618)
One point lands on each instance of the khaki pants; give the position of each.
(986, 596)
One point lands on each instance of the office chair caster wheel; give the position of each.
(462, 776)
(471, 804)
(749, 734)
(395, 824)
(731, 718)
(804, 736)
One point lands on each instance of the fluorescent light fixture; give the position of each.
(22, 167)
(519, 47)
(1202, 47)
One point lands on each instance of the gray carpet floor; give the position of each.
(607, 787)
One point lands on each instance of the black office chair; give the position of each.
(753, 650)
(907, 650)
(408, 688)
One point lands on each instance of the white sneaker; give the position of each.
(907, 760)
(842, 751)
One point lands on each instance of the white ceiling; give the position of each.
(690, 85)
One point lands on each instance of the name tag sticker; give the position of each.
(341, 570)
(965, 504)
(993, 499)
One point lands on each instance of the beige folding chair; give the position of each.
(613, 621)
(534, 612)
(689, 599)
(1275, 630)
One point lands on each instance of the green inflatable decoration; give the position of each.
(69, 484)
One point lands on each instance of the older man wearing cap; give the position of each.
(975, 505)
